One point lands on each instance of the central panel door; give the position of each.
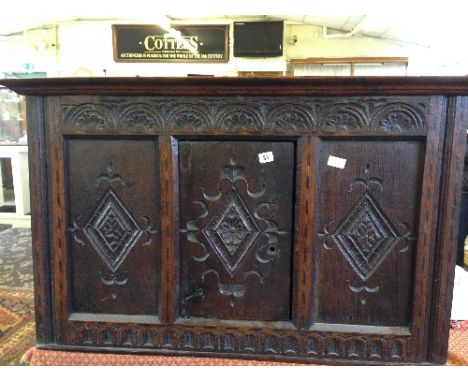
(236, 203)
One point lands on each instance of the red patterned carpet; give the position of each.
(39, 357)
(458, 344)
(457, 356)
(17, 331)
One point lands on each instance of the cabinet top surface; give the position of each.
(240, 86)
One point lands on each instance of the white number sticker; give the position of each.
(336, 162)
(266, 157)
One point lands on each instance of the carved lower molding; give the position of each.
(353, 115)
(305, 345)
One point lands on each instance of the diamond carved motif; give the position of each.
(232, 231)
(366, 236)
(112, 231)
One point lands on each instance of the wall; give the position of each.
(89, 45)
(85, 48)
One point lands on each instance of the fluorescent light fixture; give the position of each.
(180, 40)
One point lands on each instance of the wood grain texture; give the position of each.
(170, 273)
(430, 203)
(57, 219)
(304, 246)
(39, 193)
(364, 272)
(452, 180)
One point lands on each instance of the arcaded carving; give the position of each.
(239, 117)
(139, 117)
(397, 117)
(89, 116)
(352, 115)
(343, 117)
(290, 116)
(189, 116)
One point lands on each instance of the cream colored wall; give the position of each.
(14, 52)
(441, 59)
(75, 46)
(310, 43)
(89, 45)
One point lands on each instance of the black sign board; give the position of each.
(183, 43)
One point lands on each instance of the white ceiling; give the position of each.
(417, 22)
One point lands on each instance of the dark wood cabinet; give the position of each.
(309, 220)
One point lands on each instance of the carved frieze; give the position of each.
(352, 115)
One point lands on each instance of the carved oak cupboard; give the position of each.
(309, 220)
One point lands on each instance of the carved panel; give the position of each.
(112, 230)
(113, 226)
(367, 232)
(232, 242)
(366, 235)
(232, 230)
(353, 115)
